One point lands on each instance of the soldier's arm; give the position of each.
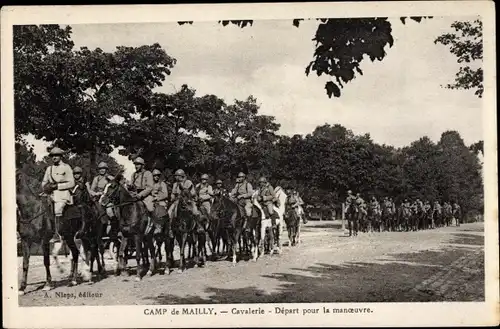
(270, 196)
(46, 177)
(249, 190)
(173, 195)
(148, 177)
(233, 191)
(210, 191)
(163, 192)
(69, 183)
(93, 187)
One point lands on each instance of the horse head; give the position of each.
(114, 192)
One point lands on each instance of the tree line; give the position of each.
(89, 101)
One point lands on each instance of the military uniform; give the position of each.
(160, 193)
(186, 186)
(205, 195)
(375, 206)
(266, 194)
(360, 203)
(62, 175)
(243, 192)
(219, 191)
(142, 182)
(349, 201)
(99, 184)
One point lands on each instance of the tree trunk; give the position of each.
(93, 162)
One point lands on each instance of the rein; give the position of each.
(28, 221)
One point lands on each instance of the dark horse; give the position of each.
(222, 209)
(35, 224)
(292, 221)
(134, 223)
(185, 225)
(353, 215)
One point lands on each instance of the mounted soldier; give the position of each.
(219, 190)
(99, 184)
(205, 194)
(349, 201)
(186, 187)
(457, 213)
(266, 197)
(57, 183)
(300, 204)
(141, 186)
(242, 192)
(361, 204)
(159, 192)
(375, 206)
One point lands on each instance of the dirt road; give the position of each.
(445, 264)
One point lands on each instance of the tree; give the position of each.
(69, 97)
(467, 45)
(341, 44)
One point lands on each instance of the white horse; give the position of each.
(266, 223)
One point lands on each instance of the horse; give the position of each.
(229, 219)
(404, 215)
(374, 219)
(184, 226)
(292, 220)
(252, 233)
(134, 223)
(387, 217)
(448, 215)
(217, 232)
(457, 214)
(35, 225)
(352, 216)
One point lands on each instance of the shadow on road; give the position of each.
(392, 279)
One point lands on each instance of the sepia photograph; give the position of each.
(268, 163)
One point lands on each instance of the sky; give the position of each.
(397, 100)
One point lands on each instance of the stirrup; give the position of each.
(56, 238)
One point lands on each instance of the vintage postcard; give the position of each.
(249, 165)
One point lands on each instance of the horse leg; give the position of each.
(56, 248)
(154, 251)
(182, 247)
(83, 252)
(26, 245)
(138, 239)
(73, 276)
(121, 255)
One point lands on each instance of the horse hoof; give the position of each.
(47, 287)
(73, 283)
(21, 293)
(150, 273)
(180, 271)
(90, 282)
(137, 279)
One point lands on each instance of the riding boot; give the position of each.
(56, 237)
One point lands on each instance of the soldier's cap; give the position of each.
(179, 172)
(349, 191)
(102, 165)
(241, 174)
(56, 151)
(204, 176)
(156, 172)
(218, 181)
(139, 160)
(262, 180)
(77, 170)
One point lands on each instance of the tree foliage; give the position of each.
(466, 43)
(341, 45)
(71, 96)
